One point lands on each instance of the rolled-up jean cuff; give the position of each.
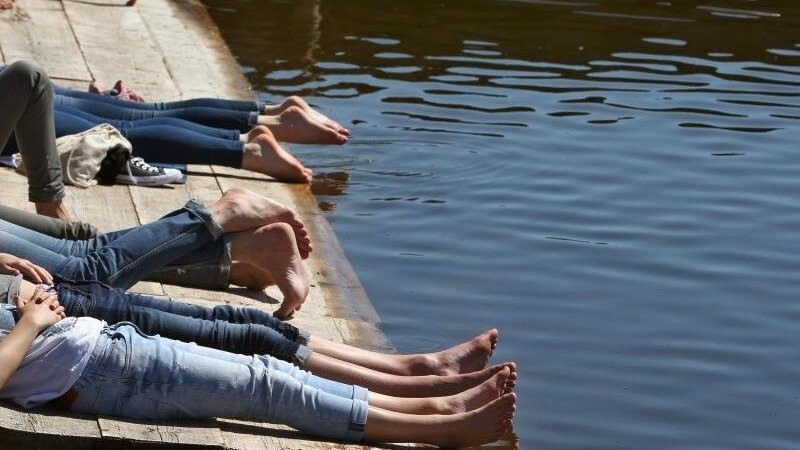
(225, 263)
(206, 275)
(302, 336)
(301, 356)
(358, 421)
(204, 214)
(252, 120)
(46, 195)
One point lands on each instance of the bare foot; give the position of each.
(256, 131)
(477, 396)
(250, 277)
(312, 113)
(265, 155)
(6, 4)
(463, 358)
(455, 384)
(273, 249)
(483, 425)
(296, 125)
(240, 209)
(57, 209)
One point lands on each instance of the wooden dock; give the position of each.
(168, 49)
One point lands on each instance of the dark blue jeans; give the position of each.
(214, 113)
(184, 237)
(219, 103)
(245, 331)
(163, 139)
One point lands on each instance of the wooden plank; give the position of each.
(191, 44)
(117, 45)
(198, 434)
(152, 203)
(110, 208)
(15, 190)
(47, 421)
(23, 38)
(242, 435)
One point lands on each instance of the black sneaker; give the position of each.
(138, 172)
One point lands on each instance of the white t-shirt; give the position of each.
(55, 360)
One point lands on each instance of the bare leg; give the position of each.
(274, 110)
(273, 248)
(265, 155)
(467, 357)
(402, 386)
(296, 125)
(483, 425)
(471, 399)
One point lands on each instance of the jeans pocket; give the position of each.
(116, 358)
(77, 303)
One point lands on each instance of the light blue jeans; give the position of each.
(186, 237)
(134, 375)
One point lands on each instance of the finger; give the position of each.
(43, 274)
(28, 271)
(5, 268)
(60, 312)
(38, 295)
(285, 312)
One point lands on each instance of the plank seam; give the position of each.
(77, 41)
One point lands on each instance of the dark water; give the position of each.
(613, 184)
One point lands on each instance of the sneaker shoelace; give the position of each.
(140, 163)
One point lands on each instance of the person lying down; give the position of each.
(85, 365)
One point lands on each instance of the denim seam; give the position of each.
(147, 256)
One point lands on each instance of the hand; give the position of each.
(286, 311)
(11, 265)
(42, 310)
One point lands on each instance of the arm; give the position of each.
(36, 316)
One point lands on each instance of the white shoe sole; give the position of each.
(169, 176)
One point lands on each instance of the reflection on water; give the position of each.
(611, 183)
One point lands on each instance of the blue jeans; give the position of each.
(235, 105)
(245, 331)
(133, 375)
(162, 139)
(213, 116)
(121, 258)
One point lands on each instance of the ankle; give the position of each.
(426, 364)
(56, 209)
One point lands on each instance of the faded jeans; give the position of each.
(245, 331)
(133, 375)
(188, 236)
(206, 275)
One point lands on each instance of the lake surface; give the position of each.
(613, 184)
